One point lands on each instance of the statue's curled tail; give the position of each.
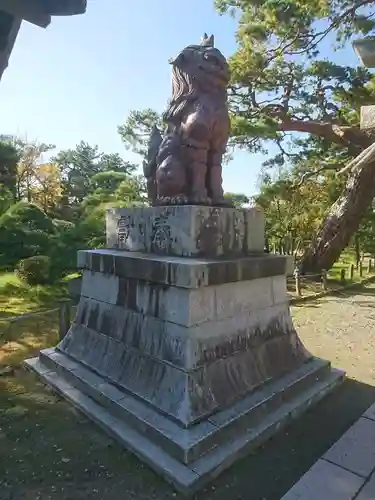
(150, 164)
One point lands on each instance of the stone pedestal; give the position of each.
(367, 117)
(183, 346)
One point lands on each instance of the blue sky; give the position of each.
(79, 78)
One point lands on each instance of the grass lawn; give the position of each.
(25, 338)
(17, 297)
(311, 286)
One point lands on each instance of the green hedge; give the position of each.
(35, 270)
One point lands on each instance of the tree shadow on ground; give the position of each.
(25, 338)
(17, 297)
(302, 305)
(338, 296)
(360, 290)
(273, 469)
(48, 450)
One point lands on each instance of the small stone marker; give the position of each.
(297, 277)
(367, 117)
(342, 275)
(64, 318)
(351, 271)
(324, 280)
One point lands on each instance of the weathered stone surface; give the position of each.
(367, 117)
(325, 481)
(370, 412)
(187, 373)
(74, 289)
(290, 265)
(249, 331)
(101, 286)
(188, 458)
(152, 336)
(184, 306)
(160, 384)
(355, 449)
(233, 299)
(163, 463)
(279, 290)
(183, 345)
(186, 351)
(368, 491)
(268, 399)
(188, 231)
(180, 271)
(183, 444)
(239, 445)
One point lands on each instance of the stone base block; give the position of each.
(187, 351)
(367, 117)
(187, 457)
(180, 271)
(187, 231)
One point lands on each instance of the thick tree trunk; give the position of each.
(345, 215)
(341, 222)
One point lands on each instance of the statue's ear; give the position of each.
(207, 41)
(204, 39)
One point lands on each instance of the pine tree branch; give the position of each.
(318, 37)
(335, 133)
(313, 173)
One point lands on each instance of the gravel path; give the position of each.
(341, 328)
(48, 452)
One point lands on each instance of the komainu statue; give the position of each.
(184, 165)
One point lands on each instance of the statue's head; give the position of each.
(203, 63)
(197, 68)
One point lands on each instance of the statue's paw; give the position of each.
(199, 199)
(220, 201)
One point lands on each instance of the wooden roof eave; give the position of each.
(39, 12)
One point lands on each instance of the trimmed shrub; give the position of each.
(25, 230)
(34, 270)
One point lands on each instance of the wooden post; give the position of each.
(369, 266)
(360, 269)
(357, 251)
(291, 245)
(342, 275)
(266, 245)
(324, 279)
(351, 271)
(64, 318)
(298, 282)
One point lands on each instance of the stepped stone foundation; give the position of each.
(183, 347)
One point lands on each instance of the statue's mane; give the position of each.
(197, 69)
(184, 91)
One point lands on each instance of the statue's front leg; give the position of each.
(198, 192)
(214, 177)
(197, 172)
